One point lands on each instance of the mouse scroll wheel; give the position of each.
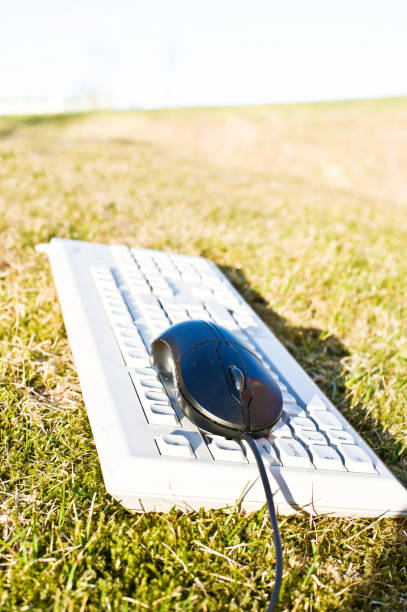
(237, 378)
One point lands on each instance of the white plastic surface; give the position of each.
(141, 467)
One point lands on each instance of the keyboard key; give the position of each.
(179, 318)
(146, 262)
(129, 333)
(187, 300)
(190, 277)
(242, 323)
(132, 347)
(154, 395)
(149, 388)
(158, 281)
(156, 405)
(121, 252)
(326, 458)
(300, 423)
(119, 325)
(132, 273)
(134, 342)
(311, 437)
(226, 298)
(171, 273)
(157, 318)
(244, 316)
(156, 329)
(316, 403)
(138, 362)
(202, 292)
(210, 278)
(201, 264)
(339, 437)
(147, 302)
(120, 319)
(162, 291)
(173, 308)
(150, 382)
(292, 453)
(225, 450)
(136, 352)
(198, 312)
(221, 315)
(293, 410)
(113, 302)
(135, 358)
(175, 445)
(138, 287)
(326, 420)
(356, 460)
(183, 263)
(281, 430)
(157, 322)
(266, 449)
(117, 309)
(288, 398)
(101, 273)
(145, 371)
(161, 414)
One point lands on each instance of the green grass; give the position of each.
(304, 207)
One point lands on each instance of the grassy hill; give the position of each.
(304, 207)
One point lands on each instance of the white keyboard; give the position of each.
(115, 301)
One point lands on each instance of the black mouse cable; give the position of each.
(273, 519)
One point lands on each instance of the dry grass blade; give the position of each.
(304, 208)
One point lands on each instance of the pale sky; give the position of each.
(156, 53)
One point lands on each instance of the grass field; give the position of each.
(305, 208)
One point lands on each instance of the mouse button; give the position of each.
(242, 390)
(228, 337)
(201, 380)
(253, 365)
(229, 357)
(161, 356)
(264, 410)
(183, 337)
(267, 402)
(237, 378)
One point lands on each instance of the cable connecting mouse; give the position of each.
(224, 389)
(221, 386)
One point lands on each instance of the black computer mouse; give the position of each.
(221, 386)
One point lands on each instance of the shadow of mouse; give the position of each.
(325, 359)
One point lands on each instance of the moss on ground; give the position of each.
(304, 207)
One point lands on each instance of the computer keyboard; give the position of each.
(115, 300)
